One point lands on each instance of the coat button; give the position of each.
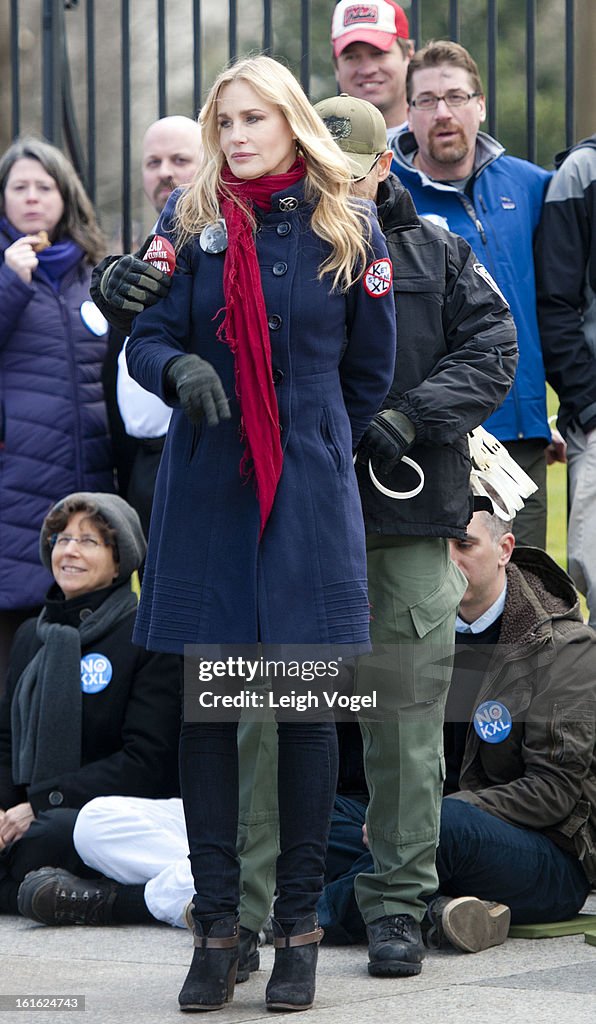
(280, 268)
(284, 228)
(274, 322)
(277, 376)
(56, 798)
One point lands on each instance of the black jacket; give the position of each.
(129, 729)
(565, 256)
(456, 359)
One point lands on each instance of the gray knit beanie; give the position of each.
(120, 516)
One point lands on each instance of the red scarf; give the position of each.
(246, 331)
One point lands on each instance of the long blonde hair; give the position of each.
(336, 218)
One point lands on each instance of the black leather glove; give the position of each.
(387, 439)
(199, 389)
(122, 286)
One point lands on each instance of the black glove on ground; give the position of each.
(199, 389)
(387, 439)
(122, 286)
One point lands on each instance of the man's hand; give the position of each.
(199, 389)
(556, 451)
(387, 439)
(14, 823)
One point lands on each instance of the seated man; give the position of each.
(518, 822)
(518, 826)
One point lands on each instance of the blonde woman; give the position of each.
(275, 352)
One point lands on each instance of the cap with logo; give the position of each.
(358, 128)
(379, 24)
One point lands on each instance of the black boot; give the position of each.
(292, 982)
(55, 897)
(210, 981)
(395, 948)
(248, 954)
(249, 959)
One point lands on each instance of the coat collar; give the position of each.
(405, 148)
(395, 206)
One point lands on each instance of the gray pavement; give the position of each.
(134, 974)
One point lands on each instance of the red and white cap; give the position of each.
(379, 24)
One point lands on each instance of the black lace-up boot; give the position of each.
(56, 897)
(395, 947)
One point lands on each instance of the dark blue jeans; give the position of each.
(307, 778)
(478, 855)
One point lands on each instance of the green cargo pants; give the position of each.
(258, 822)
(414, 591)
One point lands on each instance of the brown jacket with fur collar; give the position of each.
(543, 775)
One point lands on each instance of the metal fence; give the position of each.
(79, 46)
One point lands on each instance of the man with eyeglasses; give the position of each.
(461, 178)
(455, 363)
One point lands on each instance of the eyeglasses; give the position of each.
(62, 540)
(372, 166)
(453, 98)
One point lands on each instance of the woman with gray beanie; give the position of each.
(86, 712)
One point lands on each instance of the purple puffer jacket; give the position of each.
(53, 424)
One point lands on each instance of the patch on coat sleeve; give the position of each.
(482, 272)
(378, 278)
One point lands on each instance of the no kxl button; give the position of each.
(41, 1002)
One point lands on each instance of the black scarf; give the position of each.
(46, 710)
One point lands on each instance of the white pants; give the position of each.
(134, 840)
(581, 536)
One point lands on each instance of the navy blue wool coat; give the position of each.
(208, 579)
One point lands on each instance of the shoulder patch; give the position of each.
(482, 272)
(378, 278)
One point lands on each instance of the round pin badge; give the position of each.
(96, 673)
(93, 319)
(492, 721)
(214, 237)
(378, 277)
(160, 253)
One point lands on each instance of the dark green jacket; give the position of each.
(543, 775)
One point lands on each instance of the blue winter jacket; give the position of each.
(209, 579)
(53, 424)
(497, 215)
